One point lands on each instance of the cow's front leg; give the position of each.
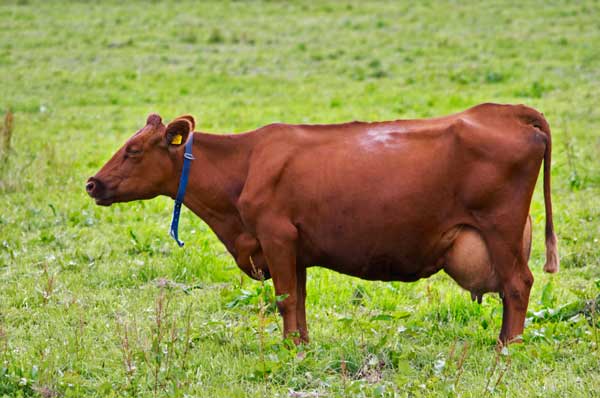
(278, 241)
(301, 303)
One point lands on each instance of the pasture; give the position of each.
(100, 302)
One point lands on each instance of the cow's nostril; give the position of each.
(89, 187)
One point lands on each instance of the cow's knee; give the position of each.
(527, 278)
(517, 289)
(285, 305)
(280, 307)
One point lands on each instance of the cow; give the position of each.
(390, 201)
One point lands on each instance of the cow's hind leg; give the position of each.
(515, 290)
(489, 263)
(515, 279)
(527, 236)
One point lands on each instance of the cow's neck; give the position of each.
(217, 176)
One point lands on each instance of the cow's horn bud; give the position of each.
(154, 119)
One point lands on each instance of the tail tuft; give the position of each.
(552, 262)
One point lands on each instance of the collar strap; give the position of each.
(183, 181)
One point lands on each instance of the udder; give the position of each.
(468, 261)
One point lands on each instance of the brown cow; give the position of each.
(396, 200)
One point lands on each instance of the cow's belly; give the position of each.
(388, 254)
(384, 267)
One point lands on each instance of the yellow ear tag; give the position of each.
(177, 139)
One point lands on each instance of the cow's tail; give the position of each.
(552, 260)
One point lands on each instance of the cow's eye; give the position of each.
(133, 150)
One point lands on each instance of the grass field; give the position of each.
(99, 302)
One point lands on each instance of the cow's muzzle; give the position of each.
(97, 190)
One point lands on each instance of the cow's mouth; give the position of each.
(104, 201)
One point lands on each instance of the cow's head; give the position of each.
(145, 166)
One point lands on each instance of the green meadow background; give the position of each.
(100, 302)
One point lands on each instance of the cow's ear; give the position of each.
(189, 118)
(177, 132)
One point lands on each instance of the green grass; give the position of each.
(100, 301)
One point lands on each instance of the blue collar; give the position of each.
(183, 181)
